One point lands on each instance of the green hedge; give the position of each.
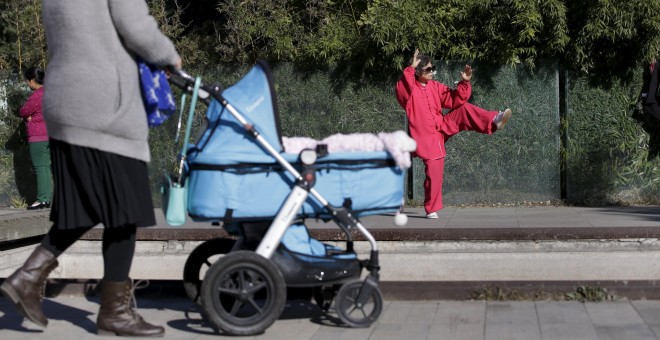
(610, 154)
(612, 146)
(17, 179)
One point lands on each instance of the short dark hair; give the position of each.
(424, 59)
(36, 74)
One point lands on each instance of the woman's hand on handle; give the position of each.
(171, 68)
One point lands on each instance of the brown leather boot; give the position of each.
(117, 316)
(25, 287)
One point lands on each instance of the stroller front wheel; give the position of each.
(243, 293)
(357, 308)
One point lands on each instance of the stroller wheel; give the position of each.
(243, 293)
(199, 261)
(355, 310)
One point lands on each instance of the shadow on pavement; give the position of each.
(11, 319)
(75, 316)
(294, 309)
(643, 213)
(193, 322)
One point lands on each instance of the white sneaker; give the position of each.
(432, 215)
(502, 118)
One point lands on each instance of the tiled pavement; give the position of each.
(74, 317)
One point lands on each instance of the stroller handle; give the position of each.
(185, 82)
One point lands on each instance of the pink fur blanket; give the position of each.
(397, 143)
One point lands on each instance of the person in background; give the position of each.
(98, 131)
(37, 135)
(650, 95)
(423, 99)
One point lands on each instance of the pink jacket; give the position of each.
(36, 126)
(423, 105)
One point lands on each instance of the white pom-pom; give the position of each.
(400, 220)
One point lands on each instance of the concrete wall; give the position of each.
(627, 259)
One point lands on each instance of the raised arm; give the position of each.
(451, 99)
(407, 81)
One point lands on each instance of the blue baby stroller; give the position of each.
(238, 175)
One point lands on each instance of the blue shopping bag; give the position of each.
(156, 94)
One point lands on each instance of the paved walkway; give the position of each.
(75, 318)
(454, 223)
(521, 223)
(506, 218)
(450, 219)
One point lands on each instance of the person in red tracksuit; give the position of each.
(423, 99)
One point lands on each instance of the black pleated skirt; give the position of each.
(93, 186)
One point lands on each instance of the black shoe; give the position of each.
(39, 205)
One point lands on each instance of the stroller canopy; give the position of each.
(225, 141)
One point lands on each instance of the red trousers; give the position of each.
(465, 118)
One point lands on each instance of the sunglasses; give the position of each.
(428, 69)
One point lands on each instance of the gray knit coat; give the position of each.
(92, 92)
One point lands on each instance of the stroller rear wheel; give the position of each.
(199, 260)
(358, 308)
(243, 293)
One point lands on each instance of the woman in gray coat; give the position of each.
(98, 138)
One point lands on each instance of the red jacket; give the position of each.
(423, 105)
(36, 126)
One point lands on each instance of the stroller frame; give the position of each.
(359, 292)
